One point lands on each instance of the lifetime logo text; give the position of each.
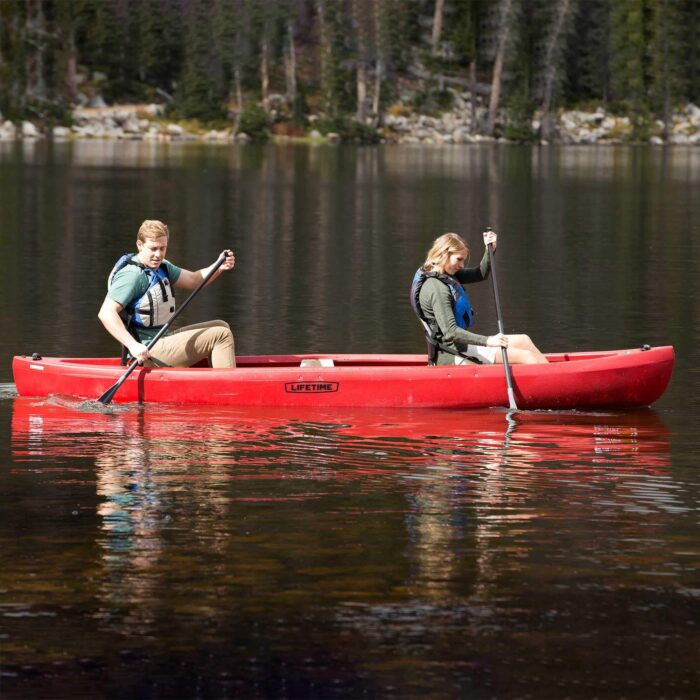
(310, 387)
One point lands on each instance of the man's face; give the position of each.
(152, 251)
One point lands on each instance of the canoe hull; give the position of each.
(616, 379)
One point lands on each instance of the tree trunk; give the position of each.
(71, 77)
(437, 24)
(35, 40)
(361, 90)
(376, 98)
(290, 65)
(504, 26)
(552, 53)
(239, 98)
(325, 50)
(472, 92)
(265, 75)
(666, 132)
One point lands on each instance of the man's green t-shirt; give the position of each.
(130, 283)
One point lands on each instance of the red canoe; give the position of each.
(612, 379)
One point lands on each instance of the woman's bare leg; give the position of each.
(522, 351)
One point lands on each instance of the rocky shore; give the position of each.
(401, 125)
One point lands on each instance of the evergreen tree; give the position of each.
(587, 56)
(160, 44)
(549, 55)
(628, 56)
(12, 82)
(233, 44)
(336, 77)
(464, 37)
(669, 77)
(503, 23)
(692, 50)
(200, 91)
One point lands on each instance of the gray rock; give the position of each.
(29, 131)
(97, 102)
(8, 131)
(132, 126)
(61, 133)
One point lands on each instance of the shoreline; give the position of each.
(143, 122)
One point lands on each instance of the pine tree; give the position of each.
(335, 75)
(466, 37)
(12, 49)
(692, 50)
(588, 56)
(160, 44)
(200, 92)
(504, 25)
(552, 53)
(628, 56)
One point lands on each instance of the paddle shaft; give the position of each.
(504, 352)
(109, 394)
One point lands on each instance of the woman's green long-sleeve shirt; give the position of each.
(436, 302)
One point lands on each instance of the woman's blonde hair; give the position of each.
(151, 229)
(442, 248)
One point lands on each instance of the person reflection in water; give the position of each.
(441, 303)
(140, 301)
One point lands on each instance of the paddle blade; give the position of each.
(109, 394)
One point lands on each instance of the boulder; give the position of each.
(29, 131)
(61, 133)
(97, 102)
(131, 126)
(8, 131)
(461, 135)
(154, 110)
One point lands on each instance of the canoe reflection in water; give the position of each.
(241, 496)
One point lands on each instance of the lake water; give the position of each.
(153, 551)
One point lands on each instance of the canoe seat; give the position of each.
(321, 362)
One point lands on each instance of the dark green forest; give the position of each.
(348, 61)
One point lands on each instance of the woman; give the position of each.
(442, 305)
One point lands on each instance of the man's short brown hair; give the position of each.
(151, 229)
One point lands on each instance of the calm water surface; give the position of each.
(152, 551)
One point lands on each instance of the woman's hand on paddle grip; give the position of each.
(497, 341)
(490, 237)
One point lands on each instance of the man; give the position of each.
(140, 300)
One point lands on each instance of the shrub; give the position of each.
(254, 122)
(349, 130)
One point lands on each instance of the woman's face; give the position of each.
(455, 261)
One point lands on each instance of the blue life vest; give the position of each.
(461, 306)
(153, 308)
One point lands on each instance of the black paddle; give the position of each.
(504, 352)
(109, 394)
